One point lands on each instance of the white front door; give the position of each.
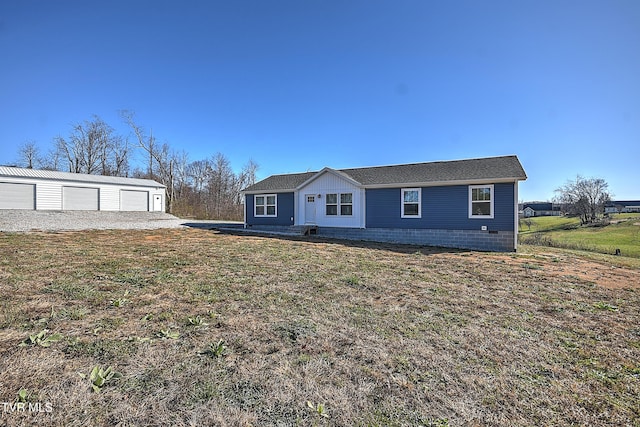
(157, 203)
(310, 209)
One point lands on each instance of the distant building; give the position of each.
(620, 206)
(539, 209)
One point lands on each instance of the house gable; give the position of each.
(323, 200)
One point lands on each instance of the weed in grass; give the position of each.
(197, 322)
(99, 377)
(601, 305)
(318, 408)
(22, 396)
(120, 302)
(216, 350)
(168, 334)
(75, 313)
(42, 339)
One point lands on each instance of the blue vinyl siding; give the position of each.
(284, 210)
(442, 208)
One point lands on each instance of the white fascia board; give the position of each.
(333, 172)
(443, 183)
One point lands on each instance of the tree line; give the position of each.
(206, 189)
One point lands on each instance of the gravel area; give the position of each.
(25, 220)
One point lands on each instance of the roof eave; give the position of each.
(277, 190)
(446, 183)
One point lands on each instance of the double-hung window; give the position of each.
(411, 203)
(266, 205)
(481, 198)
(332, 204)
(346, 204)
(339, 204)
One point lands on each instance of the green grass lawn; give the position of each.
(547, 223)
(622, 233)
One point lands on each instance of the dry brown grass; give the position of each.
(379, 335)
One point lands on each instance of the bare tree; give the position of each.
(121, 154)
(221, 185)
(249, 173)
(246, 178)
(584, 197)
(52, 160)
(161, 159)
(146, 142)
(92, 147)
(197, 173)
(29, 155)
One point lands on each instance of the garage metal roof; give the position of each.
(12, 172)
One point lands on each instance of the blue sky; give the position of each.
(300, 85)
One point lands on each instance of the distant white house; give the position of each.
(621, 206)
(34, 189)
(539, 209)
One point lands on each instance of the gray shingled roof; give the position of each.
(76, 177)
(485, 169)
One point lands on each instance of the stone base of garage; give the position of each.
(498, 241)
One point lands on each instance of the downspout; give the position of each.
(363, 208)
(296, 210)
(244, 211)
(516, 219)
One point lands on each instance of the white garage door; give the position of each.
(17, 196)
(79, 199)
(131, 200)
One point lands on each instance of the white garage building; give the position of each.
(62, 191)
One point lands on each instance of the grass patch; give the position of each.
(622, 232)
(200, 328)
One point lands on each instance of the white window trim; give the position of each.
(402, 191)
(491, 202)
(338, 205)
(345, 204)
(255, 205)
